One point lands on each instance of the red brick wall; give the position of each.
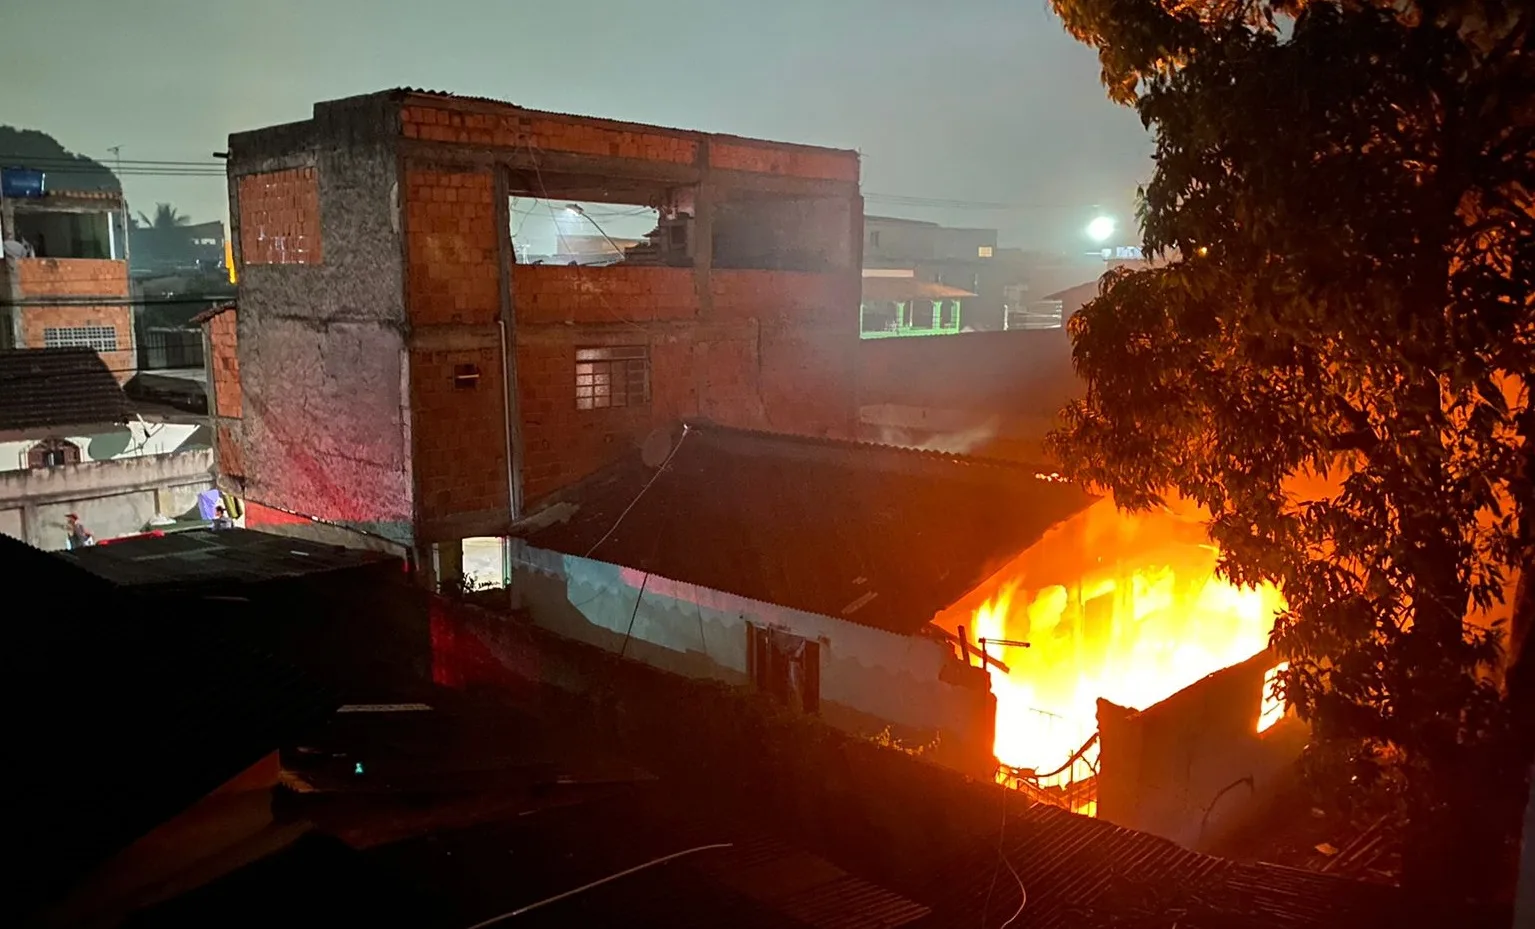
(452, 280)
(782, 159)
(71, 277)
(517, 128)
(777, 353)
(458, 434)
(564, 294)
(280, 218)
(225, 365)
(562, 444)
(450, 220)
(35, 319)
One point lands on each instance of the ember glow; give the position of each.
(1133, 630)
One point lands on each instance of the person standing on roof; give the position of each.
(221, 519)
(79, 537)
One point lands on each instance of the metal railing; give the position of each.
(1073, 786)
(161, 349)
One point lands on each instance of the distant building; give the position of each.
(64, 280)
(403, 372)
(955, 260)
(71, 442)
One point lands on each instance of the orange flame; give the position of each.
(1130, 635)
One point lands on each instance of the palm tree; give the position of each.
(166, 217)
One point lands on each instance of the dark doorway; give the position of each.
(785, 667)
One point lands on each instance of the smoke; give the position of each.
(963, 442)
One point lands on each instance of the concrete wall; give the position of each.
(871, 680)
(1194, 767)
(113, 498)
(321, 346)
(131, 440)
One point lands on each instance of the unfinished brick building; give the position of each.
(70, 288)
(411, 365)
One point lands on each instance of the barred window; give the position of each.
(617, 376)
(101, 338)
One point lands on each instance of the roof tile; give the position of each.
(53, 387)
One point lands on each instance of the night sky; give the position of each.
(973, 100)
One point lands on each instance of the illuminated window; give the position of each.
(984, 251)
(612, 377)
(101, 338)
(1272, 707)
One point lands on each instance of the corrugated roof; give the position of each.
(43, 388)
(873, 534)
(209, 314)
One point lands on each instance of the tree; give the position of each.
(28, 148)
(1343, 195)
(166, 217)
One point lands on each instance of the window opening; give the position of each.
(101, 338)
(616, 376)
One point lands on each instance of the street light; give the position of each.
(1100, 229)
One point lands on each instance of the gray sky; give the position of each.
(976, 100)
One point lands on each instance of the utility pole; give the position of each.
(122, 194)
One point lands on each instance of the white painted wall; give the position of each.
(144, 439)
(870, 679)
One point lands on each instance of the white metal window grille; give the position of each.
(101, 338)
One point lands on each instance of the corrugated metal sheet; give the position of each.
(872, 534)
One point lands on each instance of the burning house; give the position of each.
(871, 585)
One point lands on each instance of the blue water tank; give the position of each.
(22, 182)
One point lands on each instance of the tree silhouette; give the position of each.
(166, 217)
(29, 148)
(1337, 364)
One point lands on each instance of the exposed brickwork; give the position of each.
(451, 228)
(563, 294)
(786, 160)
(458, 433)
(123, 362)
(781, 297)
(71, 277)
(224, 364)
(280, 218)
(520, 129)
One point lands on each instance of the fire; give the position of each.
(1133, 632)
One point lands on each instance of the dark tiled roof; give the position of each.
(209, 314)
(755, 882)
(199, 558)
(874, 534)
(125, 715)
(52, 387)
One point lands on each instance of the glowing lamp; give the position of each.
(1100, 228)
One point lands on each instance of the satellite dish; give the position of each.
(109, 444)
(656, 447)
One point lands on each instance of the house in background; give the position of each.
(64, 281)
(896, 303)
(977, 610)
(72, 442)
(961, 262)
(401, 373)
